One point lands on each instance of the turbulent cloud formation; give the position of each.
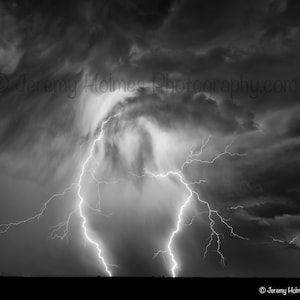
(188, 70)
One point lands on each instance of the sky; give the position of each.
(211, 84)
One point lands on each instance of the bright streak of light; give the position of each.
(211, 212)
(62, 229)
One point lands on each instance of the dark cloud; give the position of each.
(70, 30)
(152, 41)
(168, 108)
(271, 210)
(53, 42)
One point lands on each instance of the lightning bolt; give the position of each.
(61, 230)
(192, 158)
(292, 242)
(238, 207)
(88, 237)
(6, 227)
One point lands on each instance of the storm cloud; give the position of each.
(226, 70)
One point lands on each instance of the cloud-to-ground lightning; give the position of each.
(80, 196)
(61, 230)
(195, 157)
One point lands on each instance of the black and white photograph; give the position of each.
(150, 139)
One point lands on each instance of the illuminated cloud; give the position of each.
(49, 120)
